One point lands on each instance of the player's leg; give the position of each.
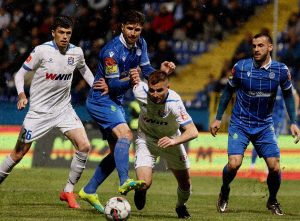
(142, 173)
(183, 192)
(144, 163)
(105, 168)
(237, 143)
(121, 154)
(13, 159)
(266, 146)
(71, 126)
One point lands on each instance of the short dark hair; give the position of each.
(62, 21)
(264, 34)
(133, 17)
(157, 76)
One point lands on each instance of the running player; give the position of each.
(256, 82)
(53, 64)
(162, 115)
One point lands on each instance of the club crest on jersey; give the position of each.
(70, 60)
(271, 75)
(138, 52)
(162, 113)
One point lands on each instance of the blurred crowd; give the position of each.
(26, 24)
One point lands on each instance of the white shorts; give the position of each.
(147, 152)
(36, 124)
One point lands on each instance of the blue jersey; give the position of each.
(256, 89)
(115, 61)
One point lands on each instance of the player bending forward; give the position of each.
(162, 114)
(53, 64)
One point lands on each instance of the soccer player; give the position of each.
(53, 64)
(162, 116)
(119, 63)
(255, 81)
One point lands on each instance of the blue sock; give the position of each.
(121, 154)
(254, 156)
(228, 176)
(273, 181)
(106, 166)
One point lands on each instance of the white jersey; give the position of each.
(159, 120)
(51, 83)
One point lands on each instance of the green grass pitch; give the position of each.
(33, 194)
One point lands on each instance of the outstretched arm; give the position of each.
(189, 132)
(224, 100)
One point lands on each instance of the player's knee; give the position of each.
(234, 165)
(84, 147)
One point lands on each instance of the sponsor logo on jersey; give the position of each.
(154, 121)
(235, 136)
(111, 66)
(70, 60)
(28, 59)
(259, 94)
(248, 73)
(58, 77)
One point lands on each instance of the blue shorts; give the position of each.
(107, 114)
(263, 139)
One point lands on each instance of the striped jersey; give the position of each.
(159, 120)
(256, 89)
(115, 61)
(53, 74)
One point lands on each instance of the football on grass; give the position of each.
(117, 208)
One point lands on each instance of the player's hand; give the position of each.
(134, 75)
(101, 85)
(166, 142)
(215, 127)
(295, 132)
(168, 67)
(22, 101)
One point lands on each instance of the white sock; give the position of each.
(183, 196)
(77, 167)
(5, 168)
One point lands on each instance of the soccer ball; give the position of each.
(117, 208)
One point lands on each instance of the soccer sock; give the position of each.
(273, 181)
(105, 168)
(77, 167)
(121, 155)
(5, 168)
(228, 176)
(183, 196)
(253, 157)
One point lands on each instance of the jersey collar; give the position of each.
(266, 66)
(122, 39)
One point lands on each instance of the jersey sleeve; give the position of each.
(34, 59)
(285, 78)
(233, 77)
(182, 116)
(144, 56)
(110, 64)
(140, 92)
(81, 61)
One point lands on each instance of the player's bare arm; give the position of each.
(22, 101)
(189, 132)
(214, 127)
(168, 67)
